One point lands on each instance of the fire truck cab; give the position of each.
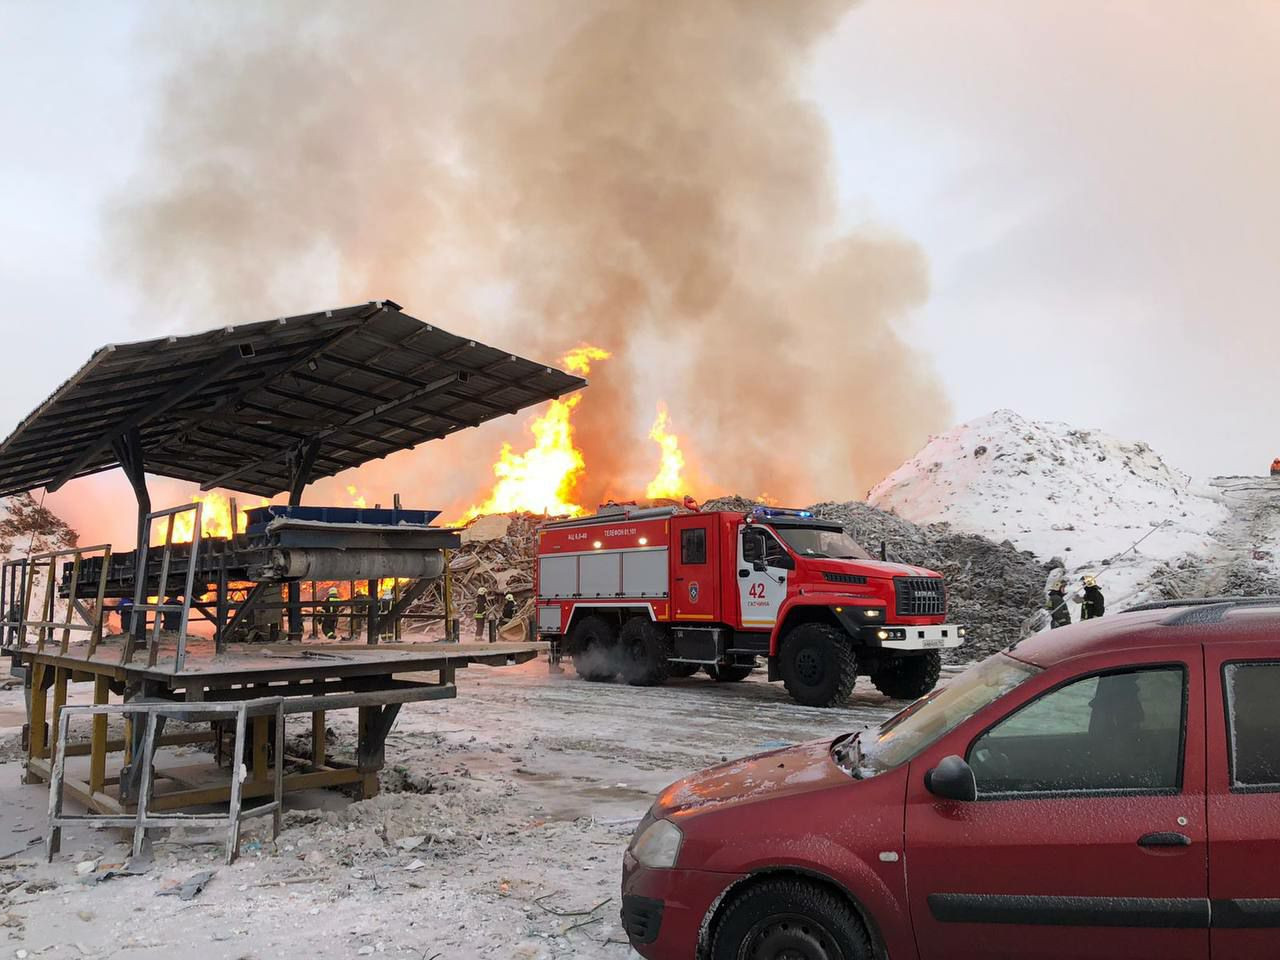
(650, 593)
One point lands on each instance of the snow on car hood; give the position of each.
(798, 769)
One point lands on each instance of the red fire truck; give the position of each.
(651, 593)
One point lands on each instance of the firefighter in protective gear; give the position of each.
(329, 614)
(1059, 612)
(508, 608)
(1275, 467)
(386, 629)
(482, 611)
(1092, 603)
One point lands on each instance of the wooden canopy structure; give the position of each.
(269, 407)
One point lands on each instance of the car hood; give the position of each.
(802, 768)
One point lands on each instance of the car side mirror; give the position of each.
(952, 779)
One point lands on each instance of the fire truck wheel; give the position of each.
(645, 649)
(730, 674)
(682, 669)
(908, 678)
(818, 665)
(595, 649)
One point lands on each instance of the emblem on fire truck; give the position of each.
(693, 592)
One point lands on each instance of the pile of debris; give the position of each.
(991, 587)
(497, 555)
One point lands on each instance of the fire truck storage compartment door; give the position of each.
(600, 574)
(558, 576)
(549, 618)
(644, 573)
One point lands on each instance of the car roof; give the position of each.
(1216, 620)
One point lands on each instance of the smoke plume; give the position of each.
(646, 175)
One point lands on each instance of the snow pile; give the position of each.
(1051, 489)
(1080, 495)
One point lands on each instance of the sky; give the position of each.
(1091, 184)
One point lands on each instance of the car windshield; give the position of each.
(832, 544)
(923, 723)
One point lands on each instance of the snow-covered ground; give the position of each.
(534, 781)
(1102, 505)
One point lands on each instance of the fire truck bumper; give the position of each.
(942, 636)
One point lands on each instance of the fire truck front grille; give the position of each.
(920, 596)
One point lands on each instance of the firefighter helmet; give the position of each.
(1090, 580)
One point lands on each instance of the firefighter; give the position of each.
(329, 614)
(1059, 612)
(482, 611)
(386, 629)
(508, 608)
(1275, 467)
(124, 607)
(1092, 603)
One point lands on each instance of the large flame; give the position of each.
(215, 520)
(669, 481)
(544, 477)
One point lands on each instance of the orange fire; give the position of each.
(668, 482)
(215, 520)
(357, 498)
(544, 477)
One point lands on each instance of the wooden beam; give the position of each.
(188, 387)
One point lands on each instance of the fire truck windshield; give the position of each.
(830, 544)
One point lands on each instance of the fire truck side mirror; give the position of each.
(753, 546)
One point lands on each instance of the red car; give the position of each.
(1108, 790)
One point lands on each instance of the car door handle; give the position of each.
(744, 573)
(1164, 840)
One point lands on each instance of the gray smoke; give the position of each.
(647, 176)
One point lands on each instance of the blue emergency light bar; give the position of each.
(766, 512)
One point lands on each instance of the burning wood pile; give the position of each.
(497, 555)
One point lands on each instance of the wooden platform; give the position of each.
(315, 678)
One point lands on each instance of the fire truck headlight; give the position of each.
(962, 632)
(597, 545)
(883, 634)
(658, 845)
(870, 613)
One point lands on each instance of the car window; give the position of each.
(1253, 724)
(1111, 732)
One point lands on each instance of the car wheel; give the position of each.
(908, 678)
(789, 920)
(818, 665)
(645, 649)
(682, 669)
(733, 673)
(594, 642)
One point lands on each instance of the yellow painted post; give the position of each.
(35, 727)
(59, 701)
(98, 743)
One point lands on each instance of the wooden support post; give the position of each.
(318, 745)
(260, 726)
(36, 720)
(449, 634)
(98, 741)
(373, 611)
(60, 678)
